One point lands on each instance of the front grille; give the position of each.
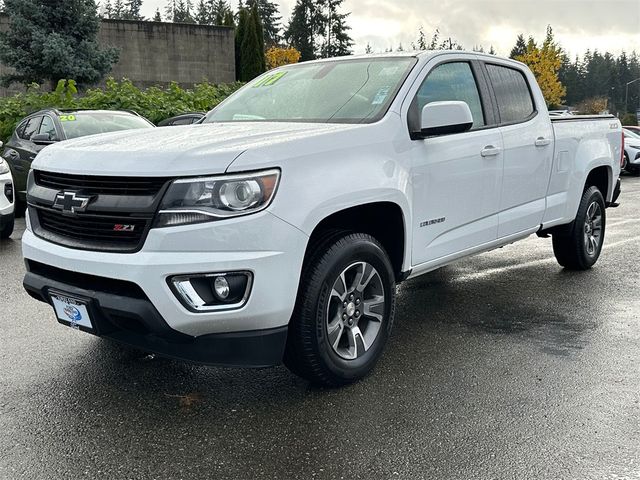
(91, 232)
(96, 185)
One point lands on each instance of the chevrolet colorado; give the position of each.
(279, 228)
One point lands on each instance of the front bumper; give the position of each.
(253, 243)
(6, 204)
(121, 311)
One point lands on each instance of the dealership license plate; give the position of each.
(71, 311)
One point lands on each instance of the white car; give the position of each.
(279, 228)
(631, 162)
(7, 200)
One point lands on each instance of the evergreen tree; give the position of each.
(368, 48)
(255, 18)
(59, 42)
(304, 27)
(337, 41)
(183, 12)
(240, 30)
(108, 10)
(157, 17)
(203, 13)
(131, 10)
(219, 9)
(117, 12)
(228, 19)
(252, 61)
(169, 10)
(271, 19)
(520, 47)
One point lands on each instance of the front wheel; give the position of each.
(580, 248)
(344, 311)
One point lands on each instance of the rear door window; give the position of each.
(31, 128)
(452, 82)
(515, 103)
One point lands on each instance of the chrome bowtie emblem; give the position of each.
(71, 202)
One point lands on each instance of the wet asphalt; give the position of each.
(502, 366)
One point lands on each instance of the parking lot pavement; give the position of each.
(500, 366)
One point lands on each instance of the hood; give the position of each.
(168, 151)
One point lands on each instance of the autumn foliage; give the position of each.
(277, 56)
(545, 63)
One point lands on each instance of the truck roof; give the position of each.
(415, 54)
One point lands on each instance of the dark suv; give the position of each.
(45, 127)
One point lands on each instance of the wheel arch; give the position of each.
(383, 220)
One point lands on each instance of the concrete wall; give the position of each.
(156, 53)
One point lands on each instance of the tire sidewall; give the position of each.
(590, 195)
(359, 249)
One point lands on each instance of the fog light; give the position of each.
(221, 286)
(212, 291)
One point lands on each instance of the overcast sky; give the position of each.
(579, 25)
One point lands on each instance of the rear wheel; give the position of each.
(625, 162)
(344, 312)
(580, 248)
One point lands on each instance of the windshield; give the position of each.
(345, 91)
(80, 124)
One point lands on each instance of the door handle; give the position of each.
(490, 151)
(542, 142)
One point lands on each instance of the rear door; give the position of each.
(528, 149)
(456, 178)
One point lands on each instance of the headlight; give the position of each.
(204, 199)
(4, 167)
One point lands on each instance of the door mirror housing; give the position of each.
(42, 139)
(444, 118)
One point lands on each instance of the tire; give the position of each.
(625, 163)
(7, 230)
(581, 247)
(20, 207)
(331, 342)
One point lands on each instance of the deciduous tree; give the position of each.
(279, 56)
(545, 64)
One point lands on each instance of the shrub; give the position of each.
(154, 103)
(630, 119)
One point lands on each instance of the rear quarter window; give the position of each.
(515, 103)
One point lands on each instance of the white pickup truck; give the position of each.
(279, 229)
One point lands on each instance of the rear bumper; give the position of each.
(123, 313)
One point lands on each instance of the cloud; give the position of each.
(579, 25)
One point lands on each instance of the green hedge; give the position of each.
(154, 103)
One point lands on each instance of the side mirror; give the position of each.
(42, 139)
(443, 118)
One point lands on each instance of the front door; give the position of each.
(456, 178)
